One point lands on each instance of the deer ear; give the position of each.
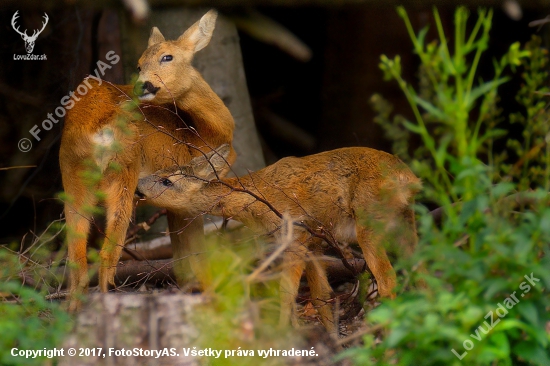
(155, 37)
(219, 157)
(199, 34)
(206, 166)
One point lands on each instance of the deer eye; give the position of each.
(166, 58)
(166, 182)
(139, 69)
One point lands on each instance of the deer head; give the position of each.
(29, 40)
(178, 187)
(165, 70)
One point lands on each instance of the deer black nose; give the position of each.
(149, 87)
(139, 194)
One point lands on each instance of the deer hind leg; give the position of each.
(377, 260)
(119, 204)
(321, 292)
(78, 220)
(293, 266)
(186, 245)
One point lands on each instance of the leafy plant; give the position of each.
(492, 241)
(243, 309)
(531, 149)
(27, 320)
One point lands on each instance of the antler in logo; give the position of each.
(29, 40)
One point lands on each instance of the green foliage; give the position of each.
(492, 244)
(242, 312)
(529, 151)
(28, 321)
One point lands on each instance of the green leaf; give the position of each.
(493, 133)
(422, 36)
(381, 314)
(502, 189)
(442, 152)
(431, 109)
(495, 285)
(530, 312)
(545, 222)
(539, 334)
(502, 344)
(412, 127)
(483, 89)
(507, 324)
(532, 352)
(395, 336)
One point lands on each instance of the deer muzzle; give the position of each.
(146, 91)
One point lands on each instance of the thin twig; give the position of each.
(18, 167)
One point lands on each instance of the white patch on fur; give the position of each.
(103, 141)
(104, 137)
(147, 97)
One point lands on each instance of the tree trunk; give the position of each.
(148, 322)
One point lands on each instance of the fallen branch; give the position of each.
(161, 271)
(161, 248)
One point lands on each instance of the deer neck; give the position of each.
(209, 115)
(222, 200)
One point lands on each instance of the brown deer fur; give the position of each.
(154, 137)
(355, 194)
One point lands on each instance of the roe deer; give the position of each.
(335, 192)
(153, 139)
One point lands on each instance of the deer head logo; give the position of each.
(29, 40)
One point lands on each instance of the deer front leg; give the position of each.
(119, 203)
(293, 267)
(187, 237)
(377, 260)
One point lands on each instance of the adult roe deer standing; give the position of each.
(335, 191)
(154, 139)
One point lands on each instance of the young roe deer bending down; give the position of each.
(339, 191)
(151, 140)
